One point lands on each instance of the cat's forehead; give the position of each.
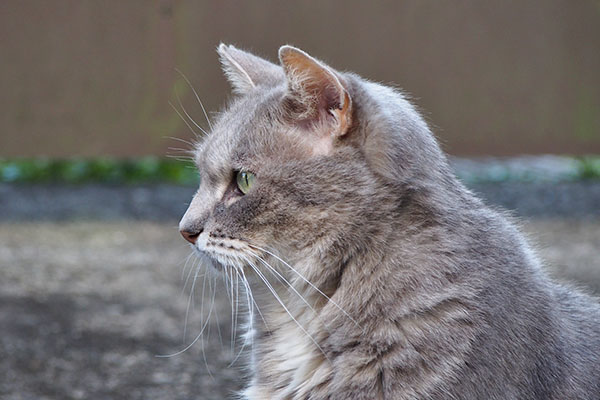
(250, 127)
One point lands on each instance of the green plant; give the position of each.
(105, 170)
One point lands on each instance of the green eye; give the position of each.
(244, 181)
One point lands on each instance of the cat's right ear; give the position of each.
(245, 71)
(318, 92)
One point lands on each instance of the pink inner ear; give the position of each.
(343, 115)
(318, 91)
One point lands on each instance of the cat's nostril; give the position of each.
(190, 235)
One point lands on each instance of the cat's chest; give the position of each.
(289, 359)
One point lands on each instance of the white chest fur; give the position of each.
(288, 358)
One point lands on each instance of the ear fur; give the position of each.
(318, 88)
(245, 71)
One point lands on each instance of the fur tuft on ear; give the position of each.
(245, 71)
(317, 88)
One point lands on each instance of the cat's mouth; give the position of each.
(226, 251)
(229, 254)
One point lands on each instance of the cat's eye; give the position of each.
(244, 181)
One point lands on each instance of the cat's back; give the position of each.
(537, 339)
(580, 321)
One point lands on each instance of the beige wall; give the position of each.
(494, 77)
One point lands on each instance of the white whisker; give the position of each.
(213, 290)
(191, 298)
(237, 300)
(250, 311)
(181, 153)
(180, 140)
(287, 283)
(197, 97)
(233, 333)
(184, 121)
(272, 290)
(197, 337)
(217, 316)
(188, 115)
(308, 282)
(180, 158)
(187, 260)
(252, 297)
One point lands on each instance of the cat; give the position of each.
(372, 272)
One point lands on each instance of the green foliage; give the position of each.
(104, 170)
(589, 168)
(160, 170)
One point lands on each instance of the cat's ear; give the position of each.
(317, 89)
(245, 71)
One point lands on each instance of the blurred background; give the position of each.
(93, 78)
(93, 275)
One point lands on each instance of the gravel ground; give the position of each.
(87, 306)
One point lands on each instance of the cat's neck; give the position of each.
(347, 276)
(301, 331)
(394, 286)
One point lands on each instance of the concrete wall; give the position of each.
(495, 77)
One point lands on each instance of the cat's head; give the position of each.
(305, 162)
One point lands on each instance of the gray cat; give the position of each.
(372, 272)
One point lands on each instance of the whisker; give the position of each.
(227, 283)
(252, 296)
(308, 282)
(197, 97)
(251, 316)
(217, 316)
(214, 291)
(191, 298)
(237, 300)
(179, 140)
(180, 157)
(240, 272)
(272, 290)
(288, 284)
(195, 264)
(195, 339)
(184, 159)
(185, 121)
(187, 260)
(233, 333)
(225, 276)
(182, 153)
(178, 152)
(188, 115)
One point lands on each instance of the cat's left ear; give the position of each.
(245, 71)
(317, 90)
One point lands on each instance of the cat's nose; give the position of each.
(190, 234)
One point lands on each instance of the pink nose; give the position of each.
(190, 235)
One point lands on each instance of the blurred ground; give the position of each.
(86, 307)
(87, 304)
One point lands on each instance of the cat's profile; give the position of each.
(374, 273)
